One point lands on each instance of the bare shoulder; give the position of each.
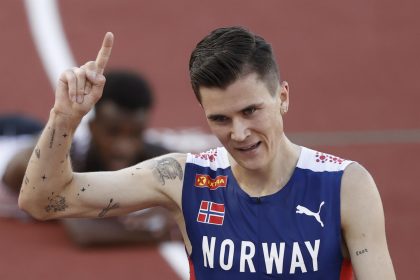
(359, 193)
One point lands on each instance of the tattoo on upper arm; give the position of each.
(167, 168)
(358, 253)
(110, 206)
(52, 138)
(38, 152)
(56, 203)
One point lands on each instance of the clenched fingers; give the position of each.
(89, 66)
(80, 83)
(69, 79)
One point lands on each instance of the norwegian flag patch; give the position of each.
(211, 213)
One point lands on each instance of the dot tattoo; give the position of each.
(56, 203)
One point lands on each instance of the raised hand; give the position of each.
(80, 88)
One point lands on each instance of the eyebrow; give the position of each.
(257, 105)
(215, 116)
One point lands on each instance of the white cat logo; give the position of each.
(303, 210)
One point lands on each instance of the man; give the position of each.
(115, 140)
(18, 135)
(260, 207)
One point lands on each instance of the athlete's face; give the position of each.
(118, 135)
(247, 119)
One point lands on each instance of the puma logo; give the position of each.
(303, 210)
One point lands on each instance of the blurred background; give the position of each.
(352, 69)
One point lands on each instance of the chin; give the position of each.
(251, 164)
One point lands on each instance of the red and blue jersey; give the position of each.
(294, 233)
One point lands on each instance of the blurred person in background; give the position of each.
(18, 135)
(113, 139)
(117, 141)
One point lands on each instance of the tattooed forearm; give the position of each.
(358, 253)
(52, 138)
(109, 207)
(56, 203)
(167, 168)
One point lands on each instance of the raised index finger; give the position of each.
(105, 52)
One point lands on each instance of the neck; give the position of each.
(274, 176)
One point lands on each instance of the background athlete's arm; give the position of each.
(363, 225)
(50, 189)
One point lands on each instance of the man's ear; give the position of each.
(284, 97)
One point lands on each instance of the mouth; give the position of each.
(250, 147)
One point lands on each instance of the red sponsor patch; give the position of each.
(205, 181)
(211, 213)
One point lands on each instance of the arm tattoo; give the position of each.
(358, 253)
(56, 203)
(167, 168)
(52, 138)
(38, 152)
(110, 206)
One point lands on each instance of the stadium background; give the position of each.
(352, 68)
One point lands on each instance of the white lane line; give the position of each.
(48, 35)
(174, 253)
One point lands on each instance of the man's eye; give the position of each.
(219, 119)
(249, 111)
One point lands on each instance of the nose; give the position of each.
(239, 130)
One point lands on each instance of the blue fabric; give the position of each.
(259, 224)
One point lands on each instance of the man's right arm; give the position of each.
(50, 188)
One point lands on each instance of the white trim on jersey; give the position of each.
(320, 162)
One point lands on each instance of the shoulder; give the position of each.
(359, 195)
(357, 181)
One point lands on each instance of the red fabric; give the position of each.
(192, 274)
(346, 270)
